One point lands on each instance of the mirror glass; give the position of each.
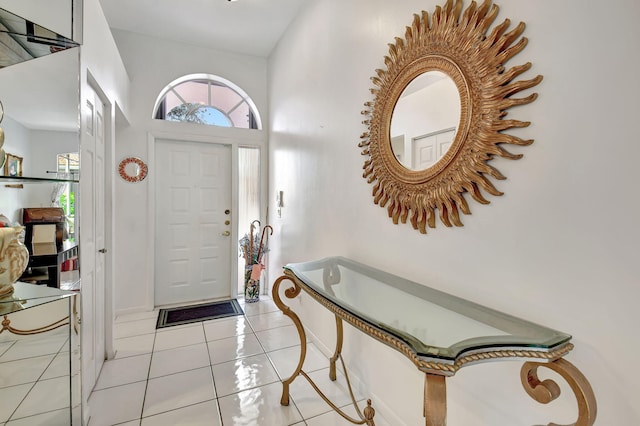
(132, 169)
(424, 120)
(22, 40)
(39, 92)
(40, 100)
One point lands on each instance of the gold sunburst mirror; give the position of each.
(459, 49)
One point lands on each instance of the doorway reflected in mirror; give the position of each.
(424, 120)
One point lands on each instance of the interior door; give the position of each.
(92, 240)
(427, 150)
(193, 222)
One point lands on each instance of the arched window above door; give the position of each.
(207, 99)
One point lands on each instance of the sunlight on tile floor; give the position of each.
(221, 372)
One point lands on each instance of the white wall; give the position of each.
(559, 248)
(152, 64)
(101, 57)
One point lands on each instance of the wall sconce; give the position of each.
(279, 203)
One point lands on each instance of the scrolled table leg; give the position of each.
(547, 390)
(290, 293)
(369, 413)
(338, 351)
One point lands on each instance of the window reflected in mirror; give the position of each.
(64, 193)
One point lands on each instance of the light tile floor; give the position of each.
(34, 378)
(221, 372)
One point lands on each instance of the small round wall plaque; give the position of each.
(133, 169)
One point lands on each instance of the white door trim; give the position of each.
(88, 87)
(151, 223)
(109, 201)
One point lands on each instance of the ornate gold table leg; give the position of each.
(290, 293)
(338, 351)
(435, 400)
(548, 390)
(366, 415)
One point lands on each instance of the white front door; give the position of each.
(193, 222)
(92, 240)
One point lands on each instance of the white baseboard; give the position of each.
(130, 311)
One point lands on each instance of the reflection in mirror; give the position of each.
(39, 331)
(40, 99)
(22, 40)
(424, 120)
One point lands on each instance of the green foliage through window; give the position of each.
(70, 208)
(198, 113)
(206, 99)
(68, 168)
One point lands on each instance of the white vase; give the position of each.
(14, 258)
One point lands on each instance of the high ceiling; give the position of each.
(251, 27)
(42, 93)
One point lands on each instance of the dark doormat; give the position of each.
(195, 313)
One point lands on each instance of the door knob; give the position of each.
(102, 250)
(226, 233)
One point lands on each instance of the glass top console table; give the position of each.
(438, 332)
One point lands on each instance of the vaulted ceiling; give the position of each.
(42, 93)
(251, 27)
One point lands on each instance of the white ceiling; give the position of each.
(251, 27)
(42, 93)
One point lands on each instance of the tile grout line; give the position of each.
(274, 366)
(13, 413)
(146, 385)
(213, 377)
(33, 385)
(211, 363)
